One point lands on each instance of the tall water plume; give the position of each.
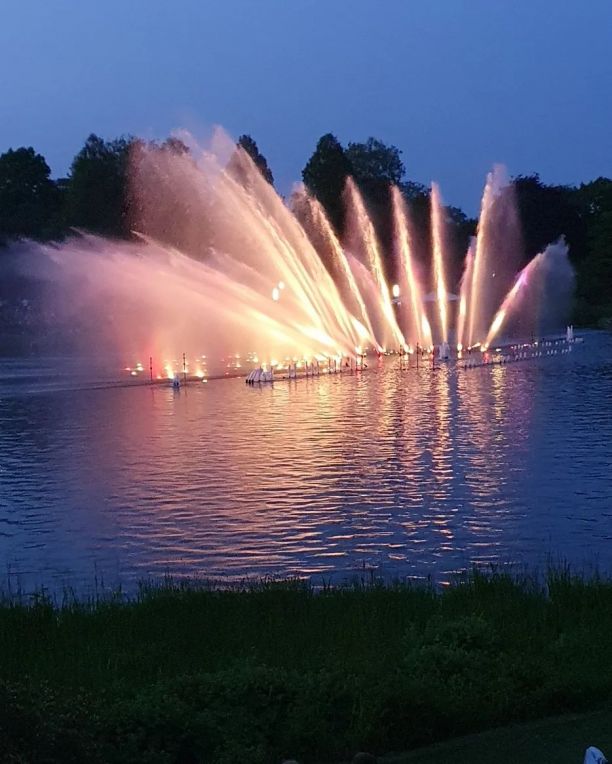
(498, 253)
(313, 218)
(416, 331)
(220, 265)
(246, 276)
(437, 237)
(363, 238)
(464, 290)
(549, 271)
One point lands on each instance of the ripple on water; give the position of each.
(415, 472)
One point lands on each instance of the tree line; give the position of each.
(94, 197)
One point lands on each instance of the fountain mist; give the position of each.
(497, 255)
(526, 291)
(466, 281)
(222, 265)
(313, 217)
(362, 231)
(437, 236)
(418, 332)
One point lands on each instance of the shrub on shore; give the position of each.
(268, 672)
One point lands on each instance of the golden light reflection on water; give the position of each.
(414, 471)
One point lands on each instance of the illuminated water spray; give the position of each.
(463, 295)
(481, 266)
(320, 220)
(437, 236)
(510, 300)
(223, 264)
(403, 247)
(367, 235)
(552, 265)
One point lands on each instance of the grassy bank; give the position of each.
(559, 740)
(275, 671)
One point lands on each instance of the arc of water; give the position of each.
(495, 181)
(370, 242)
(477, 265)
(463, 294)
(510, 299)
(403, 246)
(437, 226)
(298, 248)
(427, 336)
(315, 292)
(322, 222)
(296, 261)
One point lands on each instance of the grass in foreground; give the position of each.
(562, 740)
(278, 671)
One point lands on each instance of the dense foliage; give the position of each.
(30, 202)
(248, 144)
(269, 672)
(96, 197)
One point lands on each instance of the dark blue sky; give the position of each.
(456, 84)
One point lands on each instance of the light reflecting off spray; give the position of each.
(437, 226)
(496, 180)
(427, 337)
(254, 235)
(403, 249)
(369, 240)
(321, 221)
(215, 246)
(511, 298)
(463, 295)
(361, 330)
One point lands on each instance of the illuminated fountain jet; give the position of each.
(364, 234)
(221, 262)
(437, 237)
(418, 330)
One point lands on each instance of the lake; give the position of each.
(412, 472)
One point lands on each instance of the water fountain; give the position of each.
(220, 263)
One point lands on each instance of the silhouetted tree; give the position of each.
(374, 161)
(248, 144)
(325, 174)
(97, 194)
(547, 212)
(595, 267)
(29, 200)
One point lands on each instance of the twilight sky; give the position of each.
(456, 84)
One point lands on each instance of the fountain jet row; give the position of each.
(223, 263)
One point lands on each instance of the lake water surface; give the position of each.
(414, 472)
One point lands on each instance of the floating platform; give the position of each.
(475, 358)
(521, 351)
(502, 354)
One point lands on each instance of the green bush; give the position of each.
(262, 673)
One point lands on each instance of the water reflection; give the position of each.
(415, 471)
